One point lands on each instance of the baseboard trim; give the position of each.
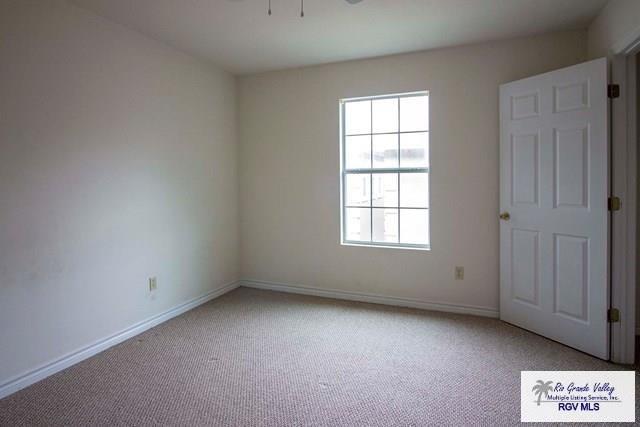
(371, 298)
(13, 385)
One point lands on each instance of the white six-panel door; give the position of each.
(554, 188)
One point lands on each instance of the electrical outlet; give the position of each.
(153, 284)
(459, 273)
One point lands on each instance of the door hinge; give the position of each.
(614, 203)
(613, 315)
(613, 91)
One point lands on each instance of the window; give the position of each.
(385, 170)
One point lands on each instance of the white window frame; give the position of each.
(399, 170)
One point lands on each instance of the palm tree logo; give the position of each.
(542, 388)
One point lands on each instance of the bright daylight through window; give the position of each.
(385, 170)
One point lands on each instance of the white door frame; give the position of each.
(624, 146)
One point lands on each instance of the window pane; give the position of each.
(414, 113)
(414, 150)
(358, 152)
(358, 189)
(385, 190)
(358, 224)
(414, 226)
(357, 117)
(385, 115)
(385, 151)
(385, 225)
(414, 190)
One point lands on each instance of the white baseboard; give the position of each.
(371, 298)
(40, 373)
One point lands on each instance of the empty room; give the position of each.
(319, 212)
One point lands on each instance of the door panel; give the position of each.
(571, 278)
(571, 172)
(524, 153)
(525, 282)
(554, 185)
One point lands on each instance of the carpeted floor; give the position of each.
(259, 358)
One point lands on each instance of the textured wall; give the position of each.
(118, 163)
(617, 25)
(289, 169)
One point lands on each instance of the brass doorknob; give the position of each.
(505, 216)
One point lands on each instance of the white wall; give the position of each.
(289, 169)
(614, 28)
(117, 163)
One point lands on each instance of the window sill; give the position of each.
(383, 246)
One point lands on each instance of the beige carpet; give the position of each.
(258, 358)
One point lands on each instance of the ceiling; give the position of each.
(240, 37)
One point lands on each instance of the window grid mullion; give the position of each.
(343, 176)
(387, 133)
(386, 170)
(371, 175)
(399, 165)
(387, 207)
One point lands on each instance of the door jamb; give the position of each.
(624, 145)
